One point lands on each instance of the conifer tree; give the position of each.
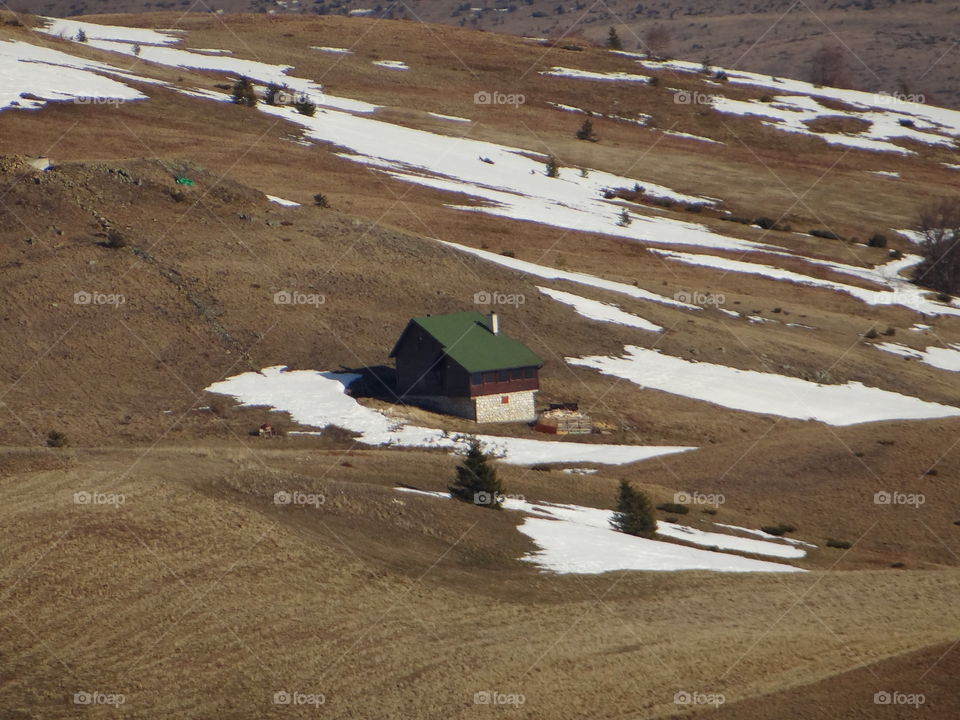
(476, 480)
(613, 40)
(243, 93)
(634, 513)
(586, 131)
(553, 167)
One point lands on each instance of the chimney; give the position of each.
(494, 323)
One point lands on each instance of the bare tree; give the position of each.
(658, 40)
(828, 66)
(939, 226)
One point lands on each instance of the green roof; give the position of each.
(467, 340)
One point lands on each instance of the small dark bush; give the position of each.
(508, 253)
(765, 222)
(778, 530)
(542, 467)
(890, 332)
(709, 511)
(906, 122)
(81, 36)
(871, 334)
(305, 106)
(895, 254)
(654, 81)
(671, 507)
(840, 544)
(825, 234)
(243, 93)
(552, 167)
(586, 131)
(694, 207)
(115, 240)
(320, 200)
(766, 99)
(877, 240)
(897, 564)
(56, 439)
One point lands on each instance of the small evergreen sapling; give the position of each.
(613, 40)
(634, 513)
(243, 93)
(477, 481)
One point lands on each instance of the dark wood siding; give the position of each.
(420, 364)
(504, 381)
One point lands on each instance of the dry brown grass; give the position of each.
(199, 597)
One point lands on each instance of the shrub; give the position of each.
(613, 40)
(270, 96)
(895, 254)
(320, 200)
(709, 511)
(137, 50)
(306, 106)
(81, 36)
(906, 122)
(634, 512)
(672, 507)
(825, 234)
(115, 240)
(542, 467)
(778, 530)
(56, 439)
(654, 81)
(765, 222)
(877, 240)
(939, 226)
(552, 167)
(890, 332)
(624, 220)
(476, 481)
(871, 334)
(243, 93)
(841, 544)
(586, 131)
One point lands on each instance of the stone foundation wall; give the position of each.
(519, 408)
(484, 409)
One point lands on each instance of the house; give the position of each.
(463, 364)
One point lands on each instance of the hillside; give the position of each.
(696, 276)
(883, 45)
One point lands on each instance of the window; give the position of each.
(489, 377)
(529, 372)
(516, 374)
(504, 399)
(476, 379)
(504, 375)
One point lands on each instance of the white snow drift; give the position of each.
(319, 399)
(761, 392)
